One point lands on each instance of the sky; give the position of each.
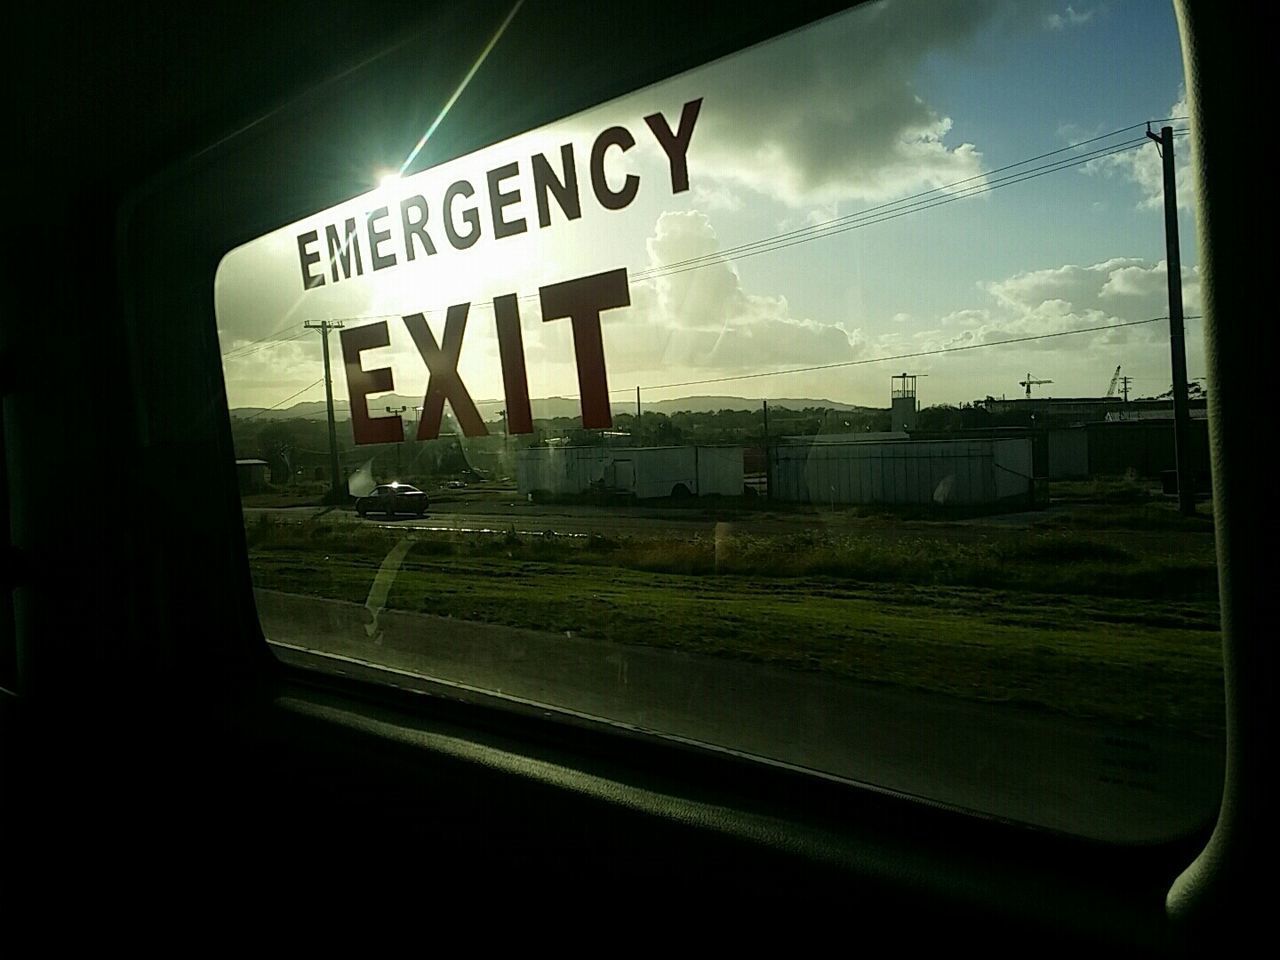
(857, 113)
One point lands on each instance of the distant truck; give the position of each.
(641, 472)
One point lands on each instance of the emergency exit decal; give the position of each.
(393, 241)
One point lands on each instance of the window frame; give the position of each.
(830, 825)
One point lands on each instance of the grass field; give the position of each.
(1086, 625)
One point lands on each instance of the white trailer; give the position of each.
(907, 471)
(642, 472)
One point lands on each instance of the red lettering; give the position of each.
(582, 301)
(444, 382)
(361, 383)
(515, 380)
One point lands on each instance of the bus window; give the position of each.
(818, 404)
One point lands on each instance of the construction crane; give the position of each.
(1111, 390)
(1029, 383)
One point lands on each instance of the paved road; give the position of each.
(481, 516)
(500, 516)
(1116, 785)
(503, 517)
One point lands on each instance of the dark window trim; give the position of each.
(1197, 897)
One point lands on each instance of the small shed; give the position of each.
(252, 475)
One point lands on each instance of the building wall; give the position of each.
(720, 471)
(646, 472)
(1068, 453)
(903, 472)
(1039, 440)
(903, 413)
(1145, 447)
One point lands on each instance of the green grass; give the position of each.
(1126, 489)
(1043, 561)
(1148, 516)
(281, 499)
(1057, 621)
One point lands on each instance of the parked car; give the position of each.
(390, 499)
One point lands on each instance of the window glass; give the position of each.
(820, 404)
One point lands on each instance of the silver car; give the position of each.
(392, 499)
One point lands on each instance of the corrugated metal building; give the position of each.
(643, 472)
(1039, 440)
(903, 472)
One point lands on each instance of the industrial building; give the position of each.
(641, 472)
(943, 472)
(1141, 447)
(1064, 411)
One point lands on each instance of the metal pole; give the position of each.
(1177, 337)
(335, 470)
(768, 462)
(399, 412)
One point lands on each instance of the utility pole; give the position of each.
(637, 415)
(1124, 386)
(1177, 337)
(506, 441)
(398, 411)
(768, 462)
(336, 493)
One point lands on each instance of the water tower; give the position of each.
(904, 411)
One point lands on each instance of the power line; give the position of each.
(851, 221)
(882, 213)
(904, 356)
(246, 350)
(810, 369)
(286, 399)
(262, 346)
(942, 189)
(229, 354)
(833, 228)
(867, 360)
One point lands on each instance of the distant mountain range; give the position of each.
(548, 407)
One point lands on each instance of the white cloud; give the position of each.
(1070, 17)
(704, 320)
(1052, 301)
(865, 133)
(1117, 289)
(717, 197)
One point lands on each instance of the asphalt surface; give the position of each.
(1113, 784)
(477, 515)
(498, 516)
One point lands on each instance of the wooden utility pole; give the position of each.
(768, 463)
(399, 412)
(1177, 337)
(336, 494)
(1124, 386)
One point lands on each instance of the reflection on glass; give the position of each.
(815, 404)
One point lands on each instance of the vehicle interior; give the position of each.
(146, 728)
